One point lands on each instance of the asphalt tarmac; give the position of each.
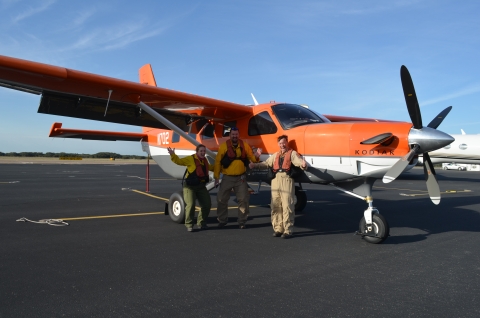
(121, 257)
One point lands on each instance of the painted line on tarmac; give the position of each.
(151, 178)
(110, 216)
(400, 189)
(148, 194)
(446, 192)
(10, 182)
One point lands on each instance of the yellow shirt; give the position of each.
(189, 162)
(237, 167)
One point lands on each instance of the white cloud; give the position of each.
(84, 16)
(463, 92)
(115, 37)
(30, 11)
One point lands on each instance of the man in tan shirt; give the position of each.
(283, 186)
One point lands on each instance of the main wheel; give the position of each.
(380, 230)
(301, 201)
(176, 208)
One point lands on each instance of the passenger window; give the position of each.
(261, 124)
(208, 131)
(175, 137)
(227, 126)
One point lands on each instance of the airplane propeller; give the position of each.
(422, 139)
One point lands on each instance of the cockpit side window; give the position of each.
(261, 124)
(291, 115)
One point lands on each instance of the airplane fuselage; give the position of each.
(333, 149)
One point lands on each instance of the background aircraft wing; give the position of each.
(72, 93)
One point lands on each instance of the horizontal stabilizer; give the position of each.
(58, 131)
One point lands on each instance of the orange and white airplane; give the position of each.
(345, 152)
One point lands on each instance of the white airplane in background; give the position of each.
(465, 149)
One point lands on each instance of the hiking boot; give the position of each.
(221, 225)
(203, 227)
(287, 235)
(277, 234)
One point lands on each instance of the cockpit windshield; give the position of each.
(291, 115)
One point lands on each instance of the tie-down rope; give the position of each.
(53, 222)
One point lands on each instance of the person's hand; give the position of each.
(217, 181)
(304, 163)
(171, 151)
(251, 165)
(258, 152)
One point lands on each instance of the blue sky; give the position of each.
(339, 57)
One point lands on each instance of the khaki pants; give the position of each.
(283, 208)
(190, 195)
(239, 185)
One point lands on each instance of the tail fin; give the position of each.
(145, 75)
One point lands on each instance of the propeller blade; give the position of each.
(432, 184)
(440, 117)
(399, 166)
(426, 157)
(411, 98)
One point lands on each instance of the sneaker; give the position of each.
(190, 229)
(203, 227)
(242, 226)
(287, 235)
(277, 234)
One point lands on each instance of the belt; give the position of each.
(235, 175)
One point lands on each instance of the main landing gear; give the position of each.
(300, 199)
(176, 208)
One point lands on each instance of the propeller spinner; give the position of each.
(421, 139)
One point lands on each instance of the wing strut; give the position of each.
(170, 125)
(108, 101)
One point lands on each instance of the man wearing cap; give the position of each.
(232, 159)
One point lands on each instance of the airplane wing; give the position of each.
(58, 131)
(72, 93)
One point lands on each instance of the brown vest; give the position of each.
(287, 161)
(201, 170)
(232, 154)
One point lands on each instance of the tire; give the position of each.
(460, 169)
(381, 229)
(301, 200)
(176, 208)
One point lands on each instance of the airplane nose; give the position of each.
(429, 139)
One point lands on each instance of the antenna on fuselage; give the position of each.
(254, 100)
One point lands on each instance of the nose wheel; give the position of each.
(377, 230)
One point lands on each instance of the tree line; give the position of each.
(66, 154)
